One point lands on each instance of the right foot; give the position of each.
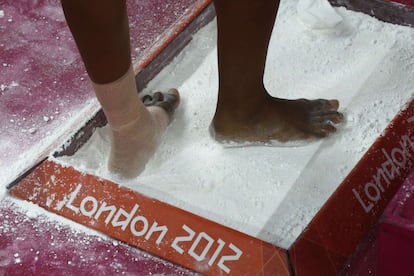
(133, 144)
(278, 119)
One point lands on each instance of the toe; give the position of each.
(173, 96)
(170, 101)
(337, 118)
(158, 96)
(322, 116)
(147, 100)
(334, 104)
(324, 129)
(322, 105)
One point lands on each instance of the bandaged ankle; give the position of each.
(120, 101)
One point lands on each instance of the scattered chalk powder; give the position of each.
(273, 192)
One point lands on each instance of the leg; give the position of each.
(101, 32)
(245, 111)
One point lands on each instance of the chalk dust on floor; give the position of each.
(273, 192)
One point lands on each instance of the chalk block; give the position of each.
(396, 232)
(204, 246)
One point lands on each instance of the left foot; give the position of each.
(278, 119)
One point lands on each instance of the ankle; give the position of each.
(120, 101)
(241, 102)
(128, 116)
(243, 113)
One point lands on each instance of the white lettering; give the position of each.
(369, 186)
(377, 179)
(85, 202)
(389, 167)
(140, 226)
(104, 208)
(234, 257)
(368, 207)
(189, 237)
(155, 228)
(402, 154)
(144, 226)
(217, 252)
(128, 216)
(73, 195)
(395, 160)
(200, 257)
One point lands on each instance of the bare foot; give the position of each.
(278, 119)
(133, 144)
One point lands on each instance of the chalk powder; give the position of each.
(273, 192)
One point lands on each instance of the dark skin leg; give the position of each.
(245, 110)
(101, 31)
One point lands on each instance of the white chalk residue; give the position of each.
(34, 211)
(3, 192)
(66, 125)
(273, 192)
(318, 14)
